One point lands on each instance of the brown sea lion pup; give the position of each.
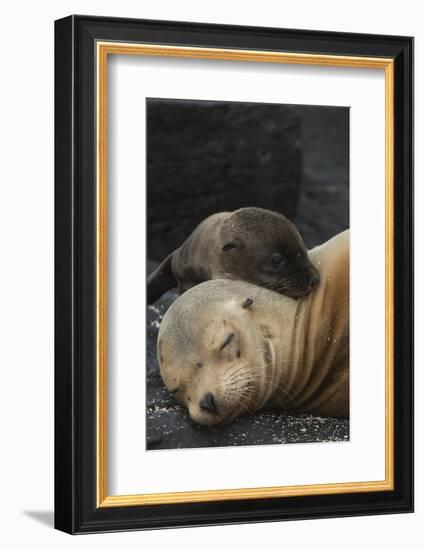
(226, 347)
(250, 244)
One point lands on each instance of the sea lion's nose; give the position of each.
(314, 280)
(207, 403)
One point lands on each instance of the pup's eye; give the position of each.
(228, 340)
(176, 390)
(276, 259)
(227, 246)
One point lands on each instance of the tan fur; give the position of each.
(254, 348)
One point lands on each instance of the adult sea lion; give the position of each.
(229, 347)
(250, 244)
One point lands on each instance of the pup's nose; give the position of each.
(207, 403)
(314, 280)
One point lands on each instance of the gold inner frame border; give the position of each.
(103, 50)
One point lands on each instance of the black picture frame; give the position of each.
(76, 509)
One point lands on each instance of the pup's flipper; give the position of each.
(161, 280)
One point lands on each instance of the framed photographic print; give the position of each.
(234, 267)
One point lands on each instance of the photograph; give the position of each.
(247, 273)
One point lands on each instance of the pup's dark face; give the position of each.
(265, 248)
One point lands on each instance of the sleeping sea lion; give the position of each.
(250, 244)
(228, 347)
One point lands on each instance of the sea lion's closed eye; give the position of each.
(276, 258)
(275, 262)
(228, 340)
(247, 303)
(228, 246)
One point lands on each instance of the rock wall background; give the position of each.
(205, 157)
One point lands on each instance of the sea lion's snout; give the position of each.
(210, 410)
(208, 404)
(299, 282)
(302, 290)
(314, 280)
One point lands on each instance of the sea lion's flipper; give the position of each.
(161, 280)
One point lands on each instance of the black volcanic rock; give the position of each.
(208, 156)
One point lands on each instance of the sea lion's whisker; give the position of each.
(235, 384)
(236, 380)
(246, 375)
(282, 386)
(245, 370)
(246, 394)
(235, 372)
(243, 404)
(251, 373)
(240, 384)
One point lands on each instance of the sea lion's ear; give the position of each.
(248, 302)
(229, 245)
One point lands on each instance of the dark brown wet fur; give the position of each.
(240, 245)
